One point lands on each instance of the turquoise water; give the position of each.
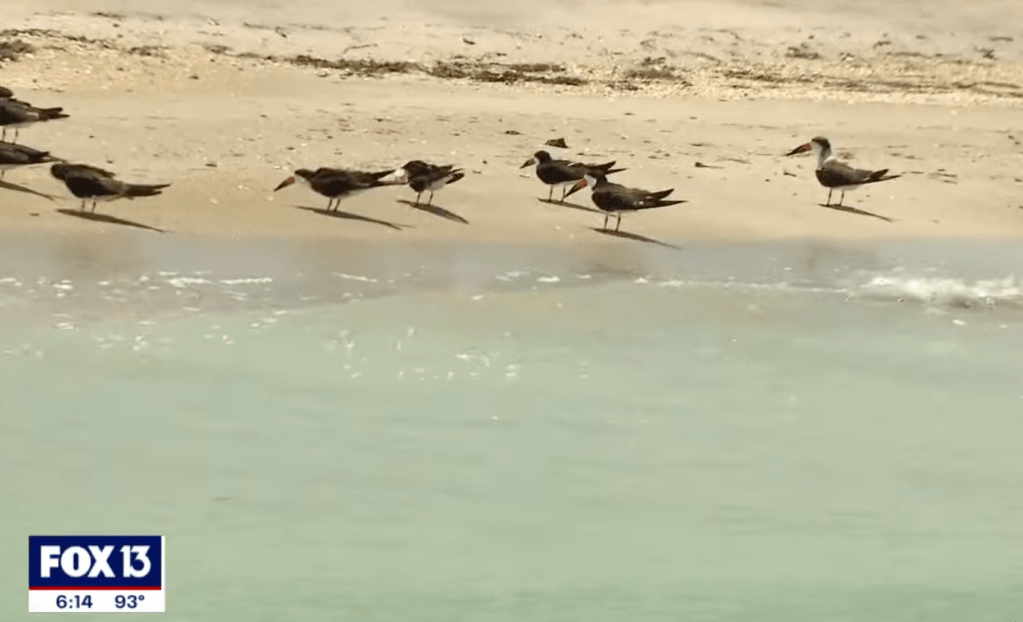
(727, 434)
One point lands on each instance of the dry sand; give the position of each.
(225, 98)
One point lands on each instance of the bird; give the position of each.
(12, 156)
(423, 177)
(16, 114)
(6, 93)
(616, 198)
(337, 184)
(835, 175)
(91, 183)
(563, 173)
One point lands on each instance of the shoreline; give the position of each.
(156, 101)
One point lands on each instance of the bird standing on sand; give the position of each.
(616, 198)
(563, 173)
(16, 114)
(90, 183)
(12, 156)
(835, 175)
(423, 177)
(337, 184)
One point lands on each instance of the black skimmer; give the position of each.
(835, 175)
(90, 183)
(16, 114)
(423, 177)
(337, 184)
(616, 198)
(563, 173)
(13, 156)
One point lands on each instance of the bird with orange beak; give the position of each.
(337, 184)
(835, 175)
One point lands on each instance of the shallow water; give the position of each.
(730, 432)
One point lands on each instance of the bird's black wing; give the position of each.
(88, 185)
(837, 174)
(559, 172)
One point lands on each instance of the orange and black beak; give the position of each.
(284, 184)
(529, 162)
(799, 149)
(579, 185)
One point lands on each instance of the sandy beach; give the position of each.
(224, 99)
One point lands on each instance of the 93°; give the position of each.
(129, 601)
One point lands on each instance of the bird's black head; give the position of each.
(538, 158)
(305, 173)
(60, 171)
(415, 166)
(818, 144)
(824, 143)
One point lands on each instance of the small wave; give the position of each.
(943, 291)
(185, 281)
(247, 281)
(355, 277)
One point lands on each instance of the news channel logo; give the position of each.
(96, 574)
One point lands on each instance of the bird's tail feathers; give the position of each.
(144, 190)
(660, 203)
(46, 114)
(882, 175)
(380, 175)
(657, 196)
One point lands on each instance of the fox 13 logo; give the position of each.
(97, 574)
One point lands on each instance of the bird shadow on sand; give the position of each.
(112, 220)
(853, 210)
(570, 205)
(350, 216)
(16, 187)
(436, 210)
(634, 237)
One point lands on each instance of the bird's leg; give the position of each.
(430, 201)
(564, 193)
(604, 228)
(841, 199)
(94, 206)
(81, 208)
(830, 190)
(619, 223)
(17, 132)
(418, 195)
(550, 195)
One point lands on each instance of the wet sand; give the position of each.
(224, 99)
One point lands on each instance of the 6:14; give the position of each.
(74, 602)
